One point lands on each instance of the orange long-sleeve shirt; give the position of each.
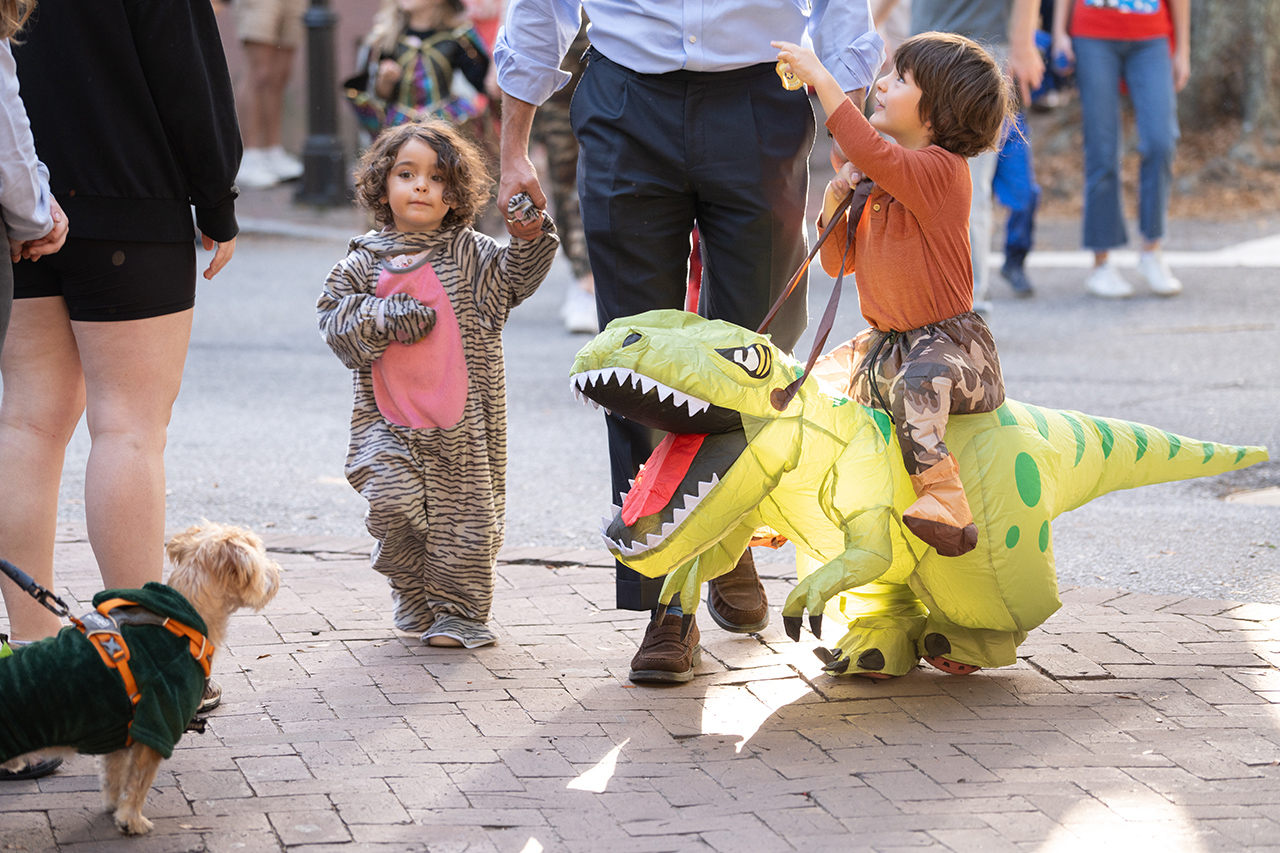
(910, 249)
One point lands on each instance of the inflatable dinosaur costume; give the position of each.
(826, 473)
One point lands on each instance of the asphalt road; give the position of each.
(259, 433)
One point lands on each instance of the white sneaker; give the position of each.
(255, 172)
(579, 311)
(1105, 281)
(1158, 275)
(285, 165)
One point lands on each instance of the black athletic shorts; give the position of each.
(113, 279)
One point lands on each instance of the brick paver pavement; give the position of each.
(1131, 722)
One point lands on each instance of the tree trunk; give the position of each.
(1235, 67)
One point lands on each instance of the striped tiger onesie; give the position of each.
(437, 496)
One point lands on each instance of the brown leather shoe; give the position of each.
(736, 601)
(663, 657)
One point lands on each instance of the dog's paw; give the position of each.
(132, 824)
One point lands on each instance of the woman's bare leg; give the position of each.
(43, 400)
(132, 373)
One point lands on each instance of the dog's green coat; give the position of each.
(58, 692)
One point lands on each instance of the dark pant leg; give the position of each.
(637, 212)
(751, 199)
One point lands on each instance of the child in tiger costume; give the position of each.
(416, 310)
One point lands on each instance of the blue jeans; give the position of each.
(1015, 185)
(1146, 67)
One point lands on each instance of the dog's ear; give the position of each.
(181, 547)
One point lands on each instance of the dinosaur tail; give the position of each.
(1101, 455)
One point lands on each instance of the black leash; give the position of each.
(47, 599)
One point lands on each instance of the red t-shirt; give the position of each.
(1126, 20)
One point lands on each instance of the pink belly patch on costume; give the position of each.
(422, 385)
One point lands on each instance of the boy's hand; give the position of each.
(844, 181)
(804, 63)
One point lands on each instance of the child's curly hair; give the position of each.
(466, 180)
(963, 93)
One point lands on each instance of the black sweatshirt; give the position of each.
(132, 110)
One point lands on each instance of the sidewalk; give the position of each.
(1130, 723)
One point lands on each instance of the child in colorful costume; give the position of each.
(408, 63)
(927, 353)
(417, 310)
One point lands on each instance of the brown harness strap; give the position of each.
(857, 200)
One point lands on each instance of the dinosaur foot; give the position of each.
(875, 654)
(936, 647)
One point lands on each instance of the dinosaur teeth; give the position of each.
(697, 406)
(679, 398)
(594, 404)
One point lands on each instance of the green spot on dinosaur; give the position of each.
(1079, 433)
(1027, 475)
(1208, 450)
(1175, 444)
(1240, 452)
(1006, 417)
(1041, 423)
(1140, 436)
(1044, 537)
(1011, 538)
(1108, 437)
(881, 417)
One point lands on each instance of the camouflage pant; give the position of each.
(551, 128)
(920, 377)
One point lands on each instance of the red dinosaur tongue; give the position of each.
(661, 475)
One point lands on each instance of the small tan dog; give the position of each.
(218, 569)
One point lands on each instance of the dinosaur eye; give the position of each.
(756, 359)
(630, 339)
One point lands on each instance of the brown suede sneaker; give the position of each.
(663, 657)
(736, 601)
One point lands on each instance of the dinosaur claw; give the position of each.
(815, 624)
(791, 624)
(686, 624)
(837, 667)
(825, 655)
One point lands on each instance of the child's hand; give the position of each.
(405, 319)
(389, 74)
(49, 243)
(844, 181)
(804, 63)
(528, 229)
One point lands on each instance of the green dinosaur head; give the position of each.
(708, 383)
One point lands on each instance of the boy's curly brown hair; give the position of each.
(466, 180)
(963, 93)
